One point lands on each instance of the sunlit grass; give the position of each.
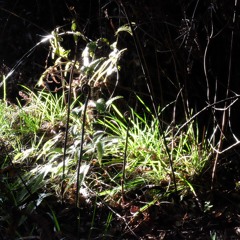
(147, 158)
(38, 150)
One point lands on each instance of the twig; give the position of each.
(234, 98)
(126, 114)
(224, 117)
(226, 149)
(68, 119)
(87, 91)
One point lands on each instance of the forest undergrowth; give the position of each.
(84, 157)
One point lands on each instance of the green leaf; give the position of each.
(100, 150)
(101, 105)
(125, 28)
(74, 25)
(111, 100)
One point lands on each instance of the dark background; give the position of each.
(174, 39)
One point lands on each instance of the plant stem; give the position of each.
(125, 156)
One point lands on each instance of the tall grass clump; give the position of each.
(147, 159)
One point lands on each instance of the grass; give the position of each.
(38, 153)
(125, 162)
(147, 159)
